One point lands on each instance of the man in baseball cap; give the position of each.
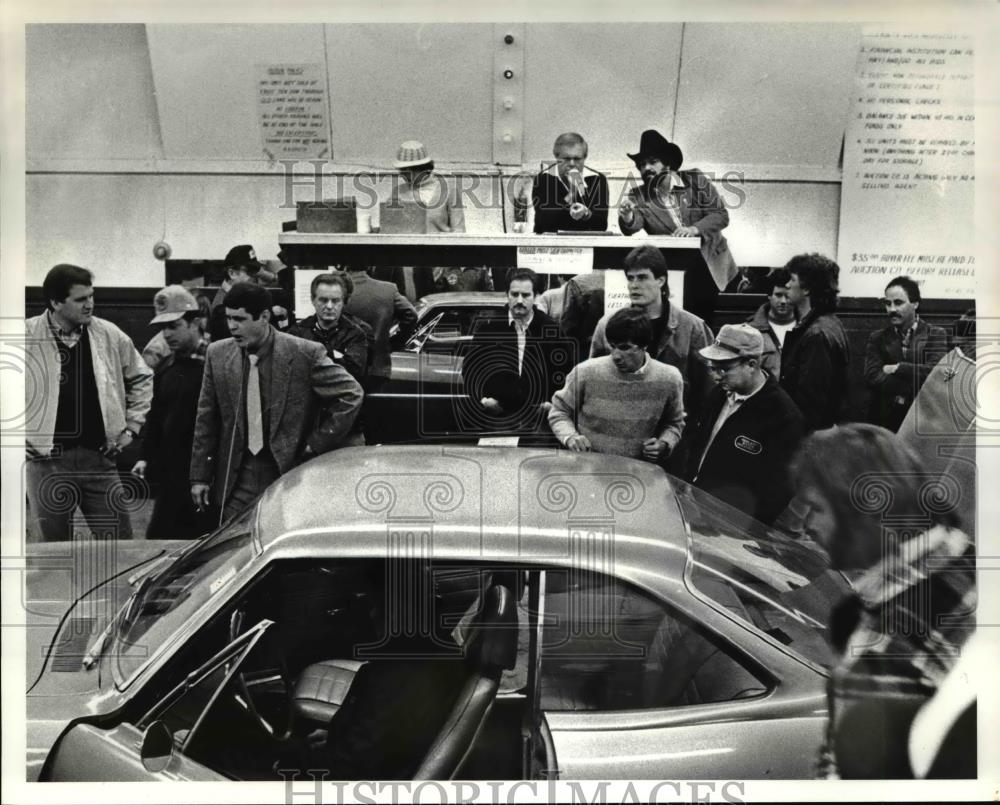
(169, 431)
(741, 445)
(241, 265)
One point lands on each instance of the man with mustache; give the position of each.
(510, 367)
(899, 357)
(683, 204)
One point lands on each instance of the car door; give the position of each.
(150, 750)
(424, 396)
(631, 688)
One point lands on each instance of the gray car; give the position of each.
(425, 397)
(440, 612)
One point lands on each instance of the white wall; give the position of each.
(140, 132)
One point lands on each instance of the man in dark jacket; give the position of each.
(899, 357)
(379, 304)
(741, 445)
(169, 432)
(512, 365)
(816, 353)
(568, 195)
(347, 339)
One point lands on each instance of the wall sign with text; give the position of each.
(293, 111)
(908, 191)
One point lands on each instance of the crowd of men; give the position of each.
(233, 393)
(243, 392)
(224, 417)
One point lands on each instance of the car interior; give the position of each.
(351, 678)
(375, 669)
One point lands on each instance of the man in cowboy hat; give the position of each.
(680, 203)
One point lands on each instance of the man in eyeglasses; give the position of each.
(748, 430)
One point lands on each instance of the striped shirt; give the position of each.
(617, 412)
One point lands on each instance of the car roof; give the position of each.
(485, 298)
(468, 502)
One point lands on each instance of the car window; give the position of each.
(757, 575)
(455, 322)
(180, 589)
(415, 340)
(365, 641)
(607, 645)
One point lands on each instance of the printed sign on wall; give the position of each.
(293, 111)
(908, 191)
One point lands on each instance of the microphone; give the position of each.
(577, 187)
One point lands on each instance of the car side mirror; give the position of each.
(157, 747)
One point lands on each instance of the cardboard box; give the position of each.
(403, 218)
(332, 215)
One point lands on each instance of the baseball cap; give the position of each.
(245, 256)
(171, 303)
(734, 341)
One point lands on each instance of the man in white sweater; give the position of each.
(625, 403)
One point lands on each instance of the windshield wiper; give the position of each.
(117, 624)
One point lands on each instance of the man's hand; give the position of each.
(139, 469)
(654, 449)
(199, 496)
(578, 211)
(492, 405)
(686, 232)
(890, 368)
(578, 443)
(626, 210)
(125, 438)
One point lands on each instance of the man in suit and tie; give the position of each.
(268, 401)
(742, 443)
(512, 367)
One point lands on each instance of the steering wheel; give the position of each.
(244, 698)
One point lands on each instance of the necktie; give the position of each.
(255, 419)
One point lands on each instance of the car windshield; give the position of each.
(180, 589)
(782, 586)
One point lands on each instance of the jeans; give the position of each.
(78, 478)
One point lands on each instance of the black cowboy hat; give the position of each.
(654, 144)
